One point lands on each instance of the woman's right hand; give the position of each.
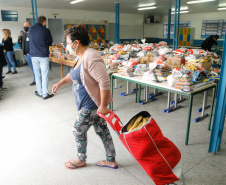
(55, 87)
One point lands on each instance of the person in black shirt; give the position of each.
(209, 42)
(20, 38)
(26, 49)
(40, 39)
(7, 44)
(2, 63)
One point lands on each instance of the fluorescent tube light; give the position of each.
(147, 8)
(77, 1)
(224, 5)
(181, 8)
(150, 4)
(222, 8)
(181, 12)
(199, 1)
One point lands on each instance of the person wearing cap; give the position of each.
(209, 42)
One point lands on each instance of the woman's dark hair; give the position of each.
(216, 36)
(78, 32)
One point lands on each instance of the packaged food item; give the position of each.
(126, 70)
(176, 83)
(191, 67)
(180, 50)
(196, 51)
(140, 69)
(183, 78)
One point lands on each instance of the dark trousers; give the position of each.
(1, 69)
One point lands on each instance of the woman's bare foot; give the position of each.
(75, 163)
(104, 163)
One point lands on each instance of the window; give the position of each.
(185, 24)
(213, 27)
(8, 15)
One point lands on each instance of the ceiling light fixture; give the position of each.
(181, 8)
(77, 1)
(147, 8)
(224, 5)
(222, 8)
(181, 12)
(199, 1)
(143, 5)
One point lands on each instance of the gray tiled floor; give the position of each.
(36, 139)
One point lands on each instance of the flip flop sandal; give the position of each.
(103, 165)
(74, 166)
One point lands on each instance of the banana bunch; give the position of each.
(136, 123)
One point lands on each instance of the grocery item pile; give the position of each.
(188, 68)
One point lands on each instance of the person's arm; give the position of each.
(97, 70)
(104, 94)
(49, 38)
(63, 81)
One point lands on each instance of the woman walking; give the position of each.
(91, 88)
(7, 44)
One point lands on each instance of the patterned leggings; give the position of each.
(85, 119)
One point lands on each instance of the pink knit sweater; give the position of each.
(94, 76)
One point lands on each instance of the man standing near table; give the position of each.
(40, 40)
(26, 49)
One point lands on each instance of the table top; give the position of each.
(163, 85)
(62, 61)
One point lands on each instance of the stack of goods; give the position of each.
(57, 52)
(162, 72)
(126, 71)
(187, 79)
(140, 69)
(205, 63)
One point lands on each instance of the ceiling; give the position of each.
(126, 6)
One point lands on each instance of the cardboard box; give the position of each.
(205, 65)
(176, 62)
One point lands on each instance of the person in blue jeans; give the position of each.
(7, 44)
(40, 39)
(26, 49)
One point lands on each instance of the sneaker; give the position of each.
(36, 93)
(2, 89)
(8, 72)
(33, 83)
(14, 72)
(48, 96)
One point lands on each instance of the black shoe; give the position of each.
(33, 83)
(8, 72)
(48, 96)
(14, 72)
(3, 77)
(36, 93)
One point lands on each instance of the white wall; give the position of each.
(156, 30)
(75, 17)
